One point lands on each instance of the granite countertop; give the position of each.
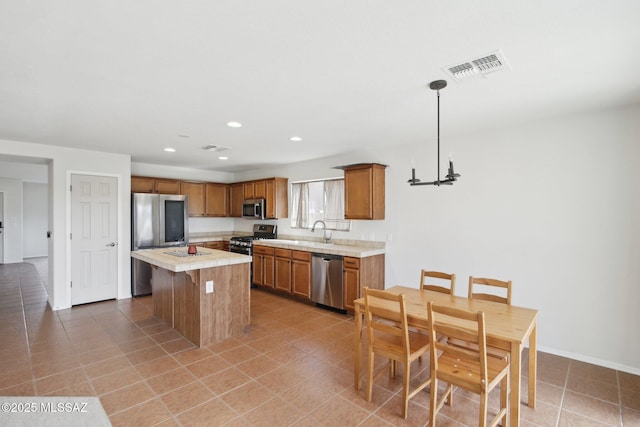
(356, 251)
(176, 259)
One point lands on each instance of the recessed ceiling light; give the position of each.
(170, 150)
(223, 158)
(183, 136)
(295, 139)
(234, 124)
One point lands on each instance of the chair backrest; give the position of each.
(489, 282)
(430, 286)
(462, 325)
(386, 319)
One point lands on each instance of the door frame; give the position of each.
(119, 218)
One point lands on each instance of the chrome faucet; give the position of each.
(325, 239)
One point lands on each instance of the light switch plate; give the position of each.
(209, 287)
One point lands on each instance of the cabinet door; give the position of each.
(257, 269)
(195, 191)
(142, 184)
(259, 189)
(351, 287)
(364, 191)
(167, 186)
(236, 196)
(283, 274)
(301, 273)
(217, 199)
(268, 271)
(248, 190)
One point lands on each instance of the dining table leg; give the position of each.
(514, 395)
(357, 343)
(533, 366)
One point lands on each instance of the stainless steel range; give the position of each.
(244, 244)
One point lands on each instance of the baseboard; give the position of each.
(591, 360)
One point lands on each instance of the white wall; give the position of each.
(12, 190)
(63, 163)
(35, 220)
(552, 206)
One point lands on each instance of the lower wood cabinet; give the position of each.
(289, 271)
(221, 245)
(361, 272)
(263, 266)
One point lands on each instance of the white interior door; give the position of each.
(1, 228)
(94, 231)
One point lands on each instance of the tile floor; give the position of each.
(292, 368)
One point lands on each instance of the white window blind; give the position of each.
(319, 200)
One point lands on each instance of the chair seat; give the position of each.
(392, 346)
(466, 373)
(491, 351)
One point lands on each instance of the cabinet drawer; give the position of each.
(283, 253)
(301, 256)
(263, 250)
(351, 262)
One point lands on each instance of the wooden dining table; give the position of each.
(508, 327)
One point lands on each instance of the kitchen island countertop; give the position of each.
(176, 259)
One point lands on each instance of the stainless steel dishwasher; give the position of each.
(326, 282)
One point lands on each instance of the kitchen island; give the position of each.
(205, 296)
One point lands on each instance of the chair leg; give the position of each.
(405, 389)
(483, 410)
(504, 398)
(433, 401)
(370, 376)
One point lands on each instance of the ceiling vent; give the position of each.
(479, 66)
(215, 148)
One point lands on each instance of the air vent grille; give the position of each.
(215, 148)
(480, 66)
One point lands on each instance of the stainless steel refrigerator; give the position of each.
(157, 221)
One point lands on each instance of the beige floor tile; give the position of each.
(125, 398)
(211, 413)
(157, 366)
(171, 380)
(596, 409)
(276, 412)
(186, 397)
(116, 380)
(209, 366)
(226, 380)
(247, 397)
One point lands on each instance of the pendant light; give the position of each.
(451, 176)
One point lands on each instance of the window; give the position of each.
(319, 200)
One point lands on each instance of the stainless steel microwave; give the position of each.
(253, 209)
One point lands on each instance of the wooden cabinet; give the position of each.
(275, 193)
(283, 269)
(360, 272)
(236, 197)
(263, 266)
(217, 199)
(218, 244)
(143, 184)
(301, 273)
(364, 191)
(196, 193)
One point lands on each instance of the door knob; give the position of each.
(112, 244)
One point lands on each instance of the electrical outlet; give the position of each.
(209, 284)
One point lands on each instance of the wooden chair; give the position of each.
(492, 351)
(469, 369)
(426, 275)
(490, 282)
(389, 337)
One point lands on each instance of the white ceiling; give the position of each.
(133, 76)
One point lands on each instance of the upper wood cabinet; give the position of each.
(364, 191)
(236, 197)
(275, 193)
(221, 200)
(217, 199)
(144, 184)
(196, 193)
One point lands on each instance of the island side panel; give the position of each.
(372, 272)
(186, 305)
(162, 294)
(226, 311)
